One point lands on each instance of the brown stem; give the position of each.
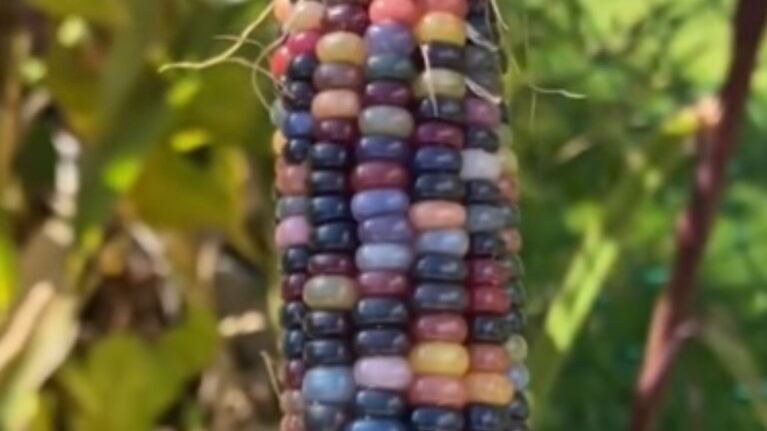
(716, 146)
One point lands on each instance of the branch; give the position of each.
(716, 145)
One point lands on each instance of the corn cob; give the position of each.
(392, 206)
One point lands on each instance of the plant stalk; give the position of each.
(716, 146)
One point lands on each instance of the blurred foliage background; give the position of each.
(135, 258)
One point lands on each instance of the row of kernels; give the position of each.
(330, 384)
(488, 217)
(439, 358)
(330, 293)
(489, 132)
(293, 64)
(381, 205)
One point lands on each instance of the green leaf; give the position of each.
(571, 307)
(206, 188)
(111, 170)
(125, 383)
(580, 289)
